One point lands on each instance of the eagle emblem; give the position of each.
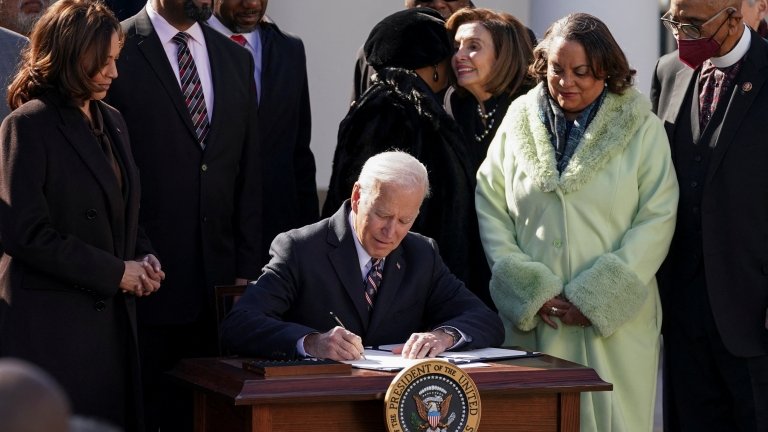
(433, 406)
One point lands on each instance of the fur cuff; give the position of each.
(608, 293)
(520, 288)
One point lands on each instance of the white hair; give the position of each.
(396, 168)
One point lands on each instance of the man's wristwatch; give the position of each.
(452, 333)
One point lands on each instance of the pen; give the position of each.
(341, 324)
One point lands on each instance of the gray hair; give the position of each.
(396, 168)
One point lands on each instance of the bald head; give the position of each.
(30, 399)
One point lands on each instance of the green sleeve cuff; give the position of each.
(519, 288)
(608, 293)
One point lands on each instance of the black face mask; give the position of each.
(197, 13)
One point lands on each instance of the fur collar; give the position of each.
(615, 124)
(410, 87)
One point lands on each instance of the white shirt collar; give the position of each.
(362, 256)
(165, 31)
(738, 51)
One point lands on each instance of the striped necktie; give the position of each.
(191, 88)
(373, 281)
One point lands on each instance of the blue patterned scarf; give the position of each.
(565, 135)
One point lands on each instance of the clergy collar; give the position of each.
(737, 53)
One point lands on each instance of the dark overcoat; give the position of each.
(66, 228)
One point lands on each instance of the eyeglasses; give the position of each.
(430, 1)
(692, 31)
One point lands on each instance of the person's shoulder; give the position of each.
(33, 107)
(12, 37)
(419, 245)
(222, 43)
(268, 25)
(669, 64)
(33, 113)
(109, 110)
(129, 24)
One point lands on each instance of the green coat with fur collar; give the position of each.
(596, 234)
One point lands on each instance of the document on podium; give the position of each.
(382, 358)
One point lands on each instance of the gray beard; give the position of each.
(26, 22)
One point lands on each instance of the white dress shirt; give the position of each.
(197, 48)
(252, 44)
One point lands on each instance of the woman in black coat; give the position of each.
(493, 53)
(410, 51)
(74, 258)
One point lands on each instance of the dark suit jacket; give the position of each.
(734, 205)
(314, 270)
(201, 208)
(66, 229)
(284, 135)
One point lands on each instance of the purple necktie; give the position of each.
(191, 88)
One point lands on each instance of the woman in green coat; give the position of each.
(576, 203)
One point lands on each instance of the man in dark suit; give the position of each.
(713, 99)
(201, 181)
(284, 113)
(386, 284)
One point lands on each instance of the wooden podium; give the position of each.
(526, 394)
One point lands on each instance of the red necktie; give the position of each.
(239, 39)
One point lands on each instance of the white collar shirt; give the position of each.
(165, 31)
(252, 44)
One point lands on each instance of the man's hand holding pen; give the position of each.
(337, 343)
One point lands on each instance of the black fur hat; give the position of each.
(408, 39)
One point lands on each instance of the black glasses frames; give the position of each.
(692, 31)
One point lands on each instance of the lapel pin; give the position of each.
(747, 86)
(397, 264)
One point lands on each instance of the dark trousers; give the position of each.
(168, 405)
(706, 388)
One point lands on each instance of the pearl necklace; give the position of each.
(489, 121)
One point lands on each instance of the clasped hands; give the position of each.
(142, 277)
(341, 344)
(563, 309)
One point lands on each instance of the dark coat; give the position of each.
(400, 112)
(66, 229)
(463, 108)
(315, 270)
(290, 200)
(730, 242)
(201, 208)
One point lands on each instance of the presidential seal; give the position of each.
(432, 396)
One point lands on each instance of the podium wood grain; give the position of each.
(527, 394)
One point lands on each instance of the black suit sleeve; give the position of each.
(255, 326)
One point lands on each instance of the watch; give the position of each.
(452, 333)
